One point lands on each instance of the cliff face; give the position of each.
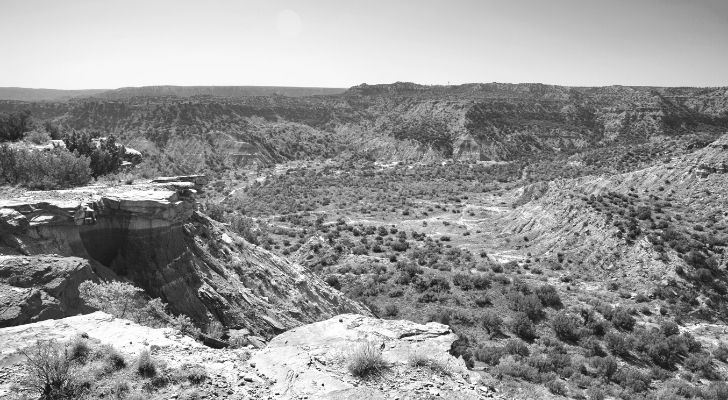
(500, 122)
(151, 235)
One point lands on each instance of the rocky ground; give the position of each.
(309, 362)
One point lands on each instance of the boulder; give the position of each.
(36, 288)
(12, 222)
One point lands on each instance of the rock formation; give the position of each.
(150, 234)
(311, 360)
(307, 362)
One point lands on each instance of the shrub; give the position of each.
(145, 366)
(492, 322)
(463, 281)
(548, 296)
(53, 169)
(523, 327)
(618, 343)
(721, 352)
(528, 304)
(483, 300)
(38, 137)
(420, 360)
(366, 360)
(194, 374)
(49, 371)
(595, 393)
(113, 360)
(605, 367)
(79, 349)
(669, 328)
(516, 347)
(632, 379)
(622, 319)
(566, 326)
(490, 355)
(716, 391)
(592, 346)
(120, 388)
(701, 364)
(14, 125)
(123, 300)
(106, 156)
(391, 310)
(556, 387)
(511, 367)
(333, 281)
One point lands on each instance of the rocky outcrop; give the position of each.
(150, 234)
(306, 362)
(43, 287)
(226, 369)
(312, 361)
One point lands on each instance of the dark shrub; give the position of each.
(483, 300)
(622, 319)
(79, 349)
(333, 281)
(463, 281)
(391, 310)
(721, 352)
(592, 346)
(548, 296)
(145, 366)
(14, 125)
(53, 169)
(489, 355)
(632, 379)
(605, 367)
(566, 326)
(461, 348)
(528, 304)
(701, 364)
(492, 322)
(556, 387)
(669, 328)
(523, 327)
(481, 282)
(516, 347)
(618, 343)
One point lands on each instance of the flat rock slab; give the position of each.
(124, 335)
(311, 360)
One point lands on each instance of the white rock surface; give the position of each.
(312, 360)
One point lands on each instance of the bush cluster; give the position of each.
(53, 169)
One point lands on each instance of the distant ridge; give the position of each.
(216, 91)
(25, 94)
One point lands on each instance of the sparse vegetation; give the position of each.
(366, 361)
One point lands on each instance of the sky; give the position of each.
(83, 44)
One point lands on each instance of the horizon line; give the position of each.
(372, 84)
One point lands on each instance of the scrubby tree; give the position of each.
(14, 125)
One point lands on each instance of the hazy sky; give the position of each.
(72, 44)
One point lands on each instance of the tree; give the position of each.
(123, 300)
(14, 125)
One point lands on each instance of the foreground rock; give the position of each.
(43, 287)
(151, 234)
(225, 369)
(311, 361)
(306, 362)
